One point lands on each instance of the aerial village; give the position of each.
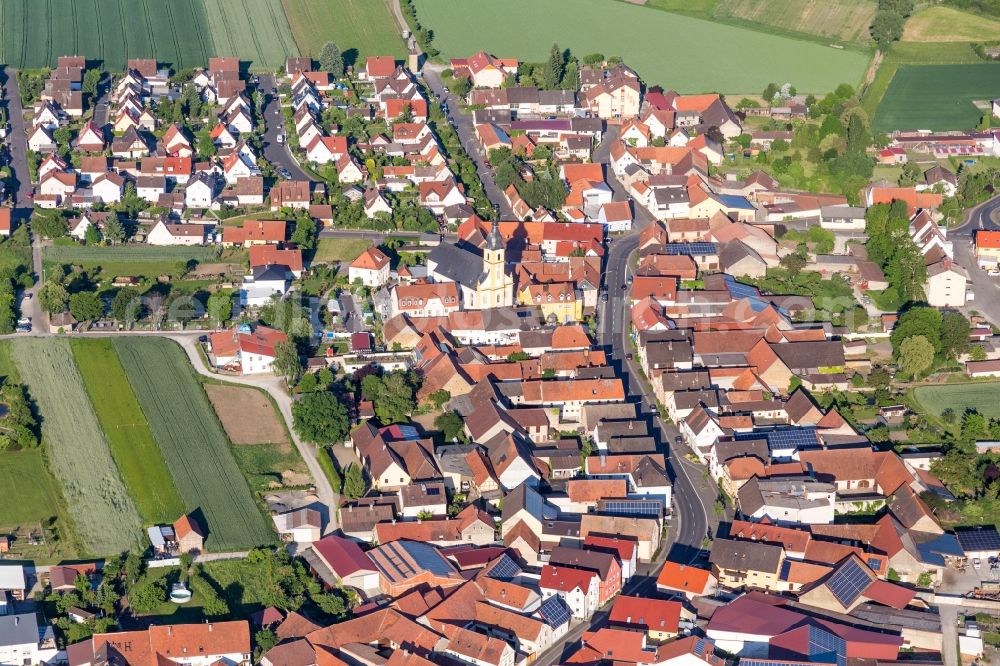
(636, 463)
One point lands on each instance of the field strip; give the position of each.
(132, 445)
(104, 515)
(194, 446)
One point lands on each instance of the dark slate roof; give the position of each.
(458, 264)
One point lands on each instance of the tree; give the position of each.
(53, 298)
(114, 230)
(86, 306)
(320, 418)
(439, 397)
(451, 426)
(554, 67)
(955, 330)
(331, 60)
(902, 7)
(92, 235)
(305, 232)
(916, 354)
(977, 353)
(126, 306)
(307, 384)
(395, 400)
(286, 362)
(147, 598)
(831, 125)
(948, 415)
(220, 306)
(206, 145)
(49, 225)
(770, 91)
(921, 320)
(887, 27)
(91, 78)
(265, 640)
(354, 482)
(973, 426)
(858, 137)
(793, 263)
(907, 272)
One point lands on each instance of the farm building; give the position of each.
(990, 368)
(979, 543)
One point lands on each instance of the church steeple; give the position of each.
(494, 241)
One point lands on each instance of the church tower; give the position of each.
(496, 288)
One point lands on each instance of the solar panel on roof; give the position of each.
(848, 582)
(427, 557)
(827, 647)
(649, 507)
(504, 569)
(798, 439)
(874, 563)
(978, 540)
(739, 290)
(690, 248)
(554, 612)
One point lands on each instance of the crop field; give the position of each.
(947, 24)
(193, 443)
(936, 97)
(361, 28)
(132, 444)
(104, 516)
(836, 20)
(982, 397)
(665, 48)
(184, 33)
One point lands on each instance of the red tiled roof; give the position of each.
(343, 556)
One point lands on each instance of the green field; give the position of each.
(675, 51)
(193, 443)
(23, 475)
(982, 397)
(132, 444)
(329, 250)
(133, 261)
(184, 33)
(937, 97)
(104, 515)
(361, 28)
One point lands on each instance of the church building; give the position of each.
(482, 278)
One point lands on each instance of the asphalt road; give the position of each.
(276, 153)
(462, 122)
(693, 495)
(20, 183)
(985, 287)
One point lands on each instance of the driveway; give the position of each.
(276, 153)
(462, 122)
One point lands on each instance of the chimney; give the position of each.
(209, 626)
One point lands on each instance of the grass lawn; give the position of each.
(329, 250)
(947, 24)
(23, 475)
(984, 397)
(270, 466)
(39, 509)
(361, 28)
(8, 369)
(132, 445)
(238, 582)
(937, 97)
(664, 47)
